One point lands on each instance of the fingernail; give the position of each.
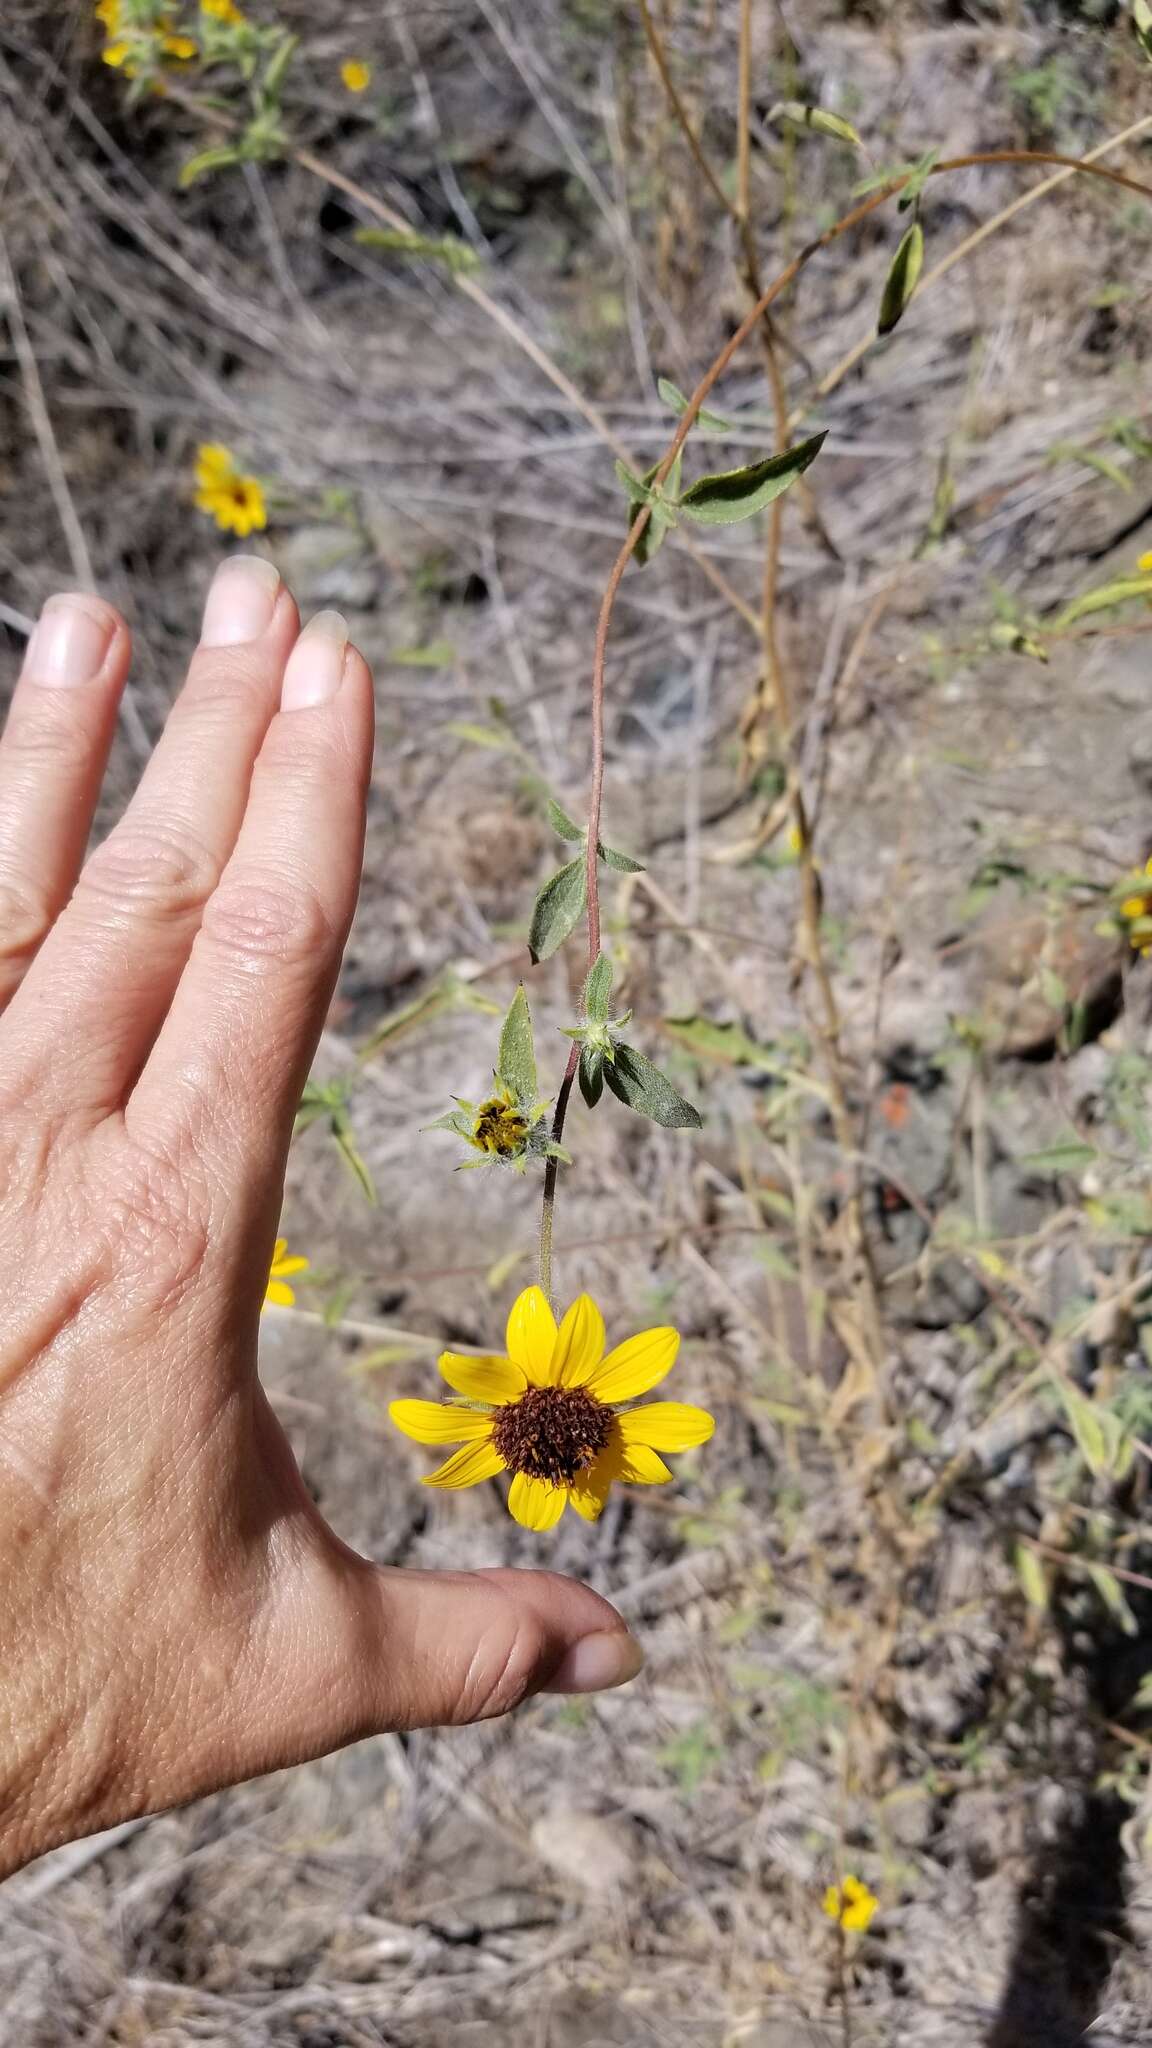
(598, 1662)
(316, 663)
(69, 643)
(241, 601)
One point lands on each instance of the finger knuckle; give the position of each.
(38, 737)
(269, 921)
(157, 871)
(505, 1663)
(25, 916)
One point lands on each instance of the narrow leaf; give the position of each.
(921, 170)
(598, 990)
(1102, 599)
(563, 826)
(645, 1089)
(447, 249)
(622, 862)
(1142, 23)
(736, 494)
(800, 116)
(1113, 1595)
(674, 399)
(559, 908)
(1032, 1577)
(478, 735)
(217, 159)
(902, 278)
(517, 1063)
(659, 501)
(591, 1075)
(353, 1159)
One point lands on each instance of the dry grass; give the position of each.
(843, 1669)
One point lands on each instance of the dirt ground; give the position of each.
(851, 1665)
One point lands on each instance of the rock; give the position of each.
(581, 1847)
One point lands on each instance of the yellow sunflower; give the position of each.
(548, 1413)
(278, 1291)
(233, 500)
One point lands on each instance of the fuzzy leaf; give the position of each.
(218, 158)
(1032, 1576)
(800, 116)
(563, 826)
(660, 502)
(736, 494)
(1101, 1438)
(921, 171)
(622, 862)
(591, 1076)
(517, 1062)
(447, 249)
(635, 1081)
(902, 278)
(1113, 1595)
(674, 399)
(598, 990)
(558, 910)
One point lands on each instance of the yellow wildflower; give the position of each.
(1145, 563)
(126, 43)
(278, 1291)
(234, 501)
(852, 1905)
(225, 11)
(356, 75)
(548, 1413)
(1136, 908)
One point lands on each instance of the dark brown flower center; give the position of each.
(500, 1128)
(552, 1433)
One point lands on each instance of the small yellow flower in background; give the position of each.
(356, 75)
(852, 1905)
(278, 1291)
(1136, 908)
(224, 10)
(234, 501)
(1145, 564)
(547, 1413)
(127, 41)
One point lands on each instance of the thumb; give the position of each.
(370, 1649)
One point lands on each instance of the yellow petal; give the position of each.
(832, 1902)
(531, 1335)
(667, 1426)
(579, 1344)
(1133, 906)
(282, 1267)
(641, 1467)
(588, 1493)
(279, 1294)
(483, 1379)
(535, 1504)
(467, 1467)
(279, 1249)
(214, 463)
(439, 1422)
(635, 1366)
(1145, 562)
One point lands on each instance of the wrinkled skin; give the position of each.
(175, 1615)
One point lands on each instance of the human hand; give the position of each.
(175, 1615)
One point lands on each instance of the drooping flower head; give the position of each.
(549, 1413)
(234, 501)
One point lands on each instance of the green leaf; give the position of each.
(921, 172)
(479, 735)
(558, 910)
(659, 501)
(206, 161)
(276, 68)
(728, 1042)
(1142, 23)
(352, 1157)
(1092, 458)
(708, 422)
(1016, 641)
(437, 654)
(517, 1061)
(622, 862)
(1113, 1595)
(1068, 1157)
(736, 494)
(902, 278)
(563, 826)
(591, 1075)
(635, 1081)
(1101, 1437)
(1102, 599)
(447, 249)
(598, 990)
(1032, 1576)
(798, 115)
